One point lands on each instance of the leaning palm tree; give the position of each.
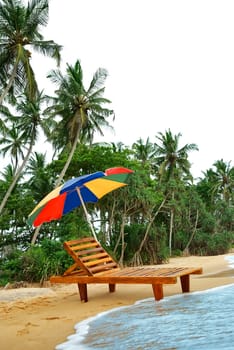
(29, 122)
(173, 164)
(81, 111)
(19, 34)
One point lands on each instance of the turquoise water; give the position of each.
(200, 320)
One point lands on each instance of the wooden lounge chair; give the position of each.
(92, 264)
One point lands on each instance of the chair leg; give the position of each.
(185, 285)
(111, 288)
(83, 292)
(158, 291)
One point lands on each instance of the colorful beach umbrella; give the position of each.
(76, 192)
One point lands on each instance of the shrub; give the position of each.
(36, 264)
(212, 244)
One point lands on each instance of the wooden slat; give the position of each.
(81, 240)
(94, 256)
(100, 262)
(104, 268)
(83, 246)
(77, 273)
(108, 271)
(89, 251)
(71, 269)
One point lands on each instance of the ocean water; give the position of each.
(194, 321)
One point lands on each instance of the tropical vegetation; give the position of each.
(162, 212)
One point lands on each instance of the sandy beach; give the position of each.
(41, 318)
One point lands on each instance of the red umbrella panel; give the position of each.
(76, 192)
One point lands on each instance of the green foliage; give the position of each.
(159, 237)
(155, 249)
(201, 215)
(138, 202)
(36, 264)
(212, 244)
(90, 159)
(133, 237)
(23, 36)
(71, 226)
(10, 267)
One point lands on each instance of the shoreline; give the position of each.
(43, 318)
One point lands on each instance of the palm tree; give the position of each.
(117, 147)
(40, 181)
(81, 111)
(170, 157)
(173, 164)
(143, 151)
(7, 174)
(19, 29)
(13, 141)
(223, 180)
(29, 122)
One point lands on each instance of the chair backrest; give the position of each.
(89, 256)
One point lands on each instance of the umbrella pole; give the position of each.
(86, 213)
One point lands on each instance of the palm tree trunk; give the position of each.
(10, 82)
(171, 225)
(59, 180)
(63, 172)
(186, 249)
(121, 259)
(15, 179)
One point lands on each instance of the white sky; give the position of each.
(170, 64)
